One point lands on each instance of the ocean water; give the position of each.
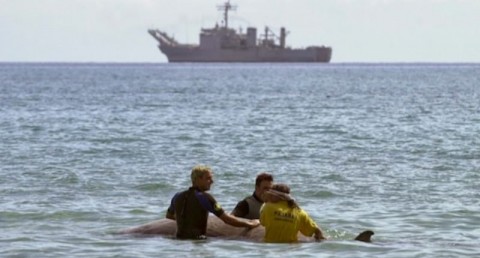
(89, 149)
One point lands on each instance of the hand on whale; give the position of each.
(217, 228)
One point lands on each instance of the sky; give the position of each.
(357, 30)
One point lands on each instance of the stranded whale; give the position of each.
(217, 228)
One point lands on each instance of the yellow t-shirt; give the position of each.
(283, 223)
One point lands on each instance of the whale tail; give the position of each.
(365, 236)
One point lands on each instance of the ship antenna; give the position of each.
(225, 8)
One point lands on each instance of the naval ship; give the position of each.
(223, 44)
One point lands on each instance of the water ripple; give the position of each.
(88, 149)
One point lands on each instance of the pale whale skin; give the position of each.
(217, 228)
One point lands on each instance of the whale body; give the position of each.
(217, 228)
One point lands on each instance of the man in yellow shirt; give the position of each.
(283, 218)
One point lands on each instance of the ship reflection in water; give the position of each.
(223, 44)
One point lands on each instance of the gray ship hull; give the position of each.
(196, 54)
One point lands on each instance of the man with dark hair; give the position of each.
(190, 208)
(249, 207)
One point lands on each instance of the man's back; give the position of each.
(282, 223)
(191, 209)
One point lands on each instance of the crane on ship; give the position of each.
(226, 7)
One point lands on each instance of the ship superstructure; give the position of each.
(224, 44)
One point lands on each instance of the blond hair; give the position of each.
(199, 171)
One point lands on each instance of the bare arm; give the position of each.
(236, 222)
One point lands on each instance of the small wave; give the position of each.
(152, 187)
(50, 216)
(319, 194)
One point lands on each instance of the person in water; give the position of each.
(249, 207)
(190, 208)
(283, 218)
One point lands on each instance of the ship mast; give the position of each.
(225, 8)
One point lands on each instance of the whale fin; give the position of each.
(365, 236)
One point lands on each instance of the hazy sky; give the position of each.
(357, 30)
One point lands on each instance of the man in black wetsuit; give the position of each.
(249, 207)
(190, 208)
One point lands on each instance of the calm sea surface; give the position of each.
(90, 149)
